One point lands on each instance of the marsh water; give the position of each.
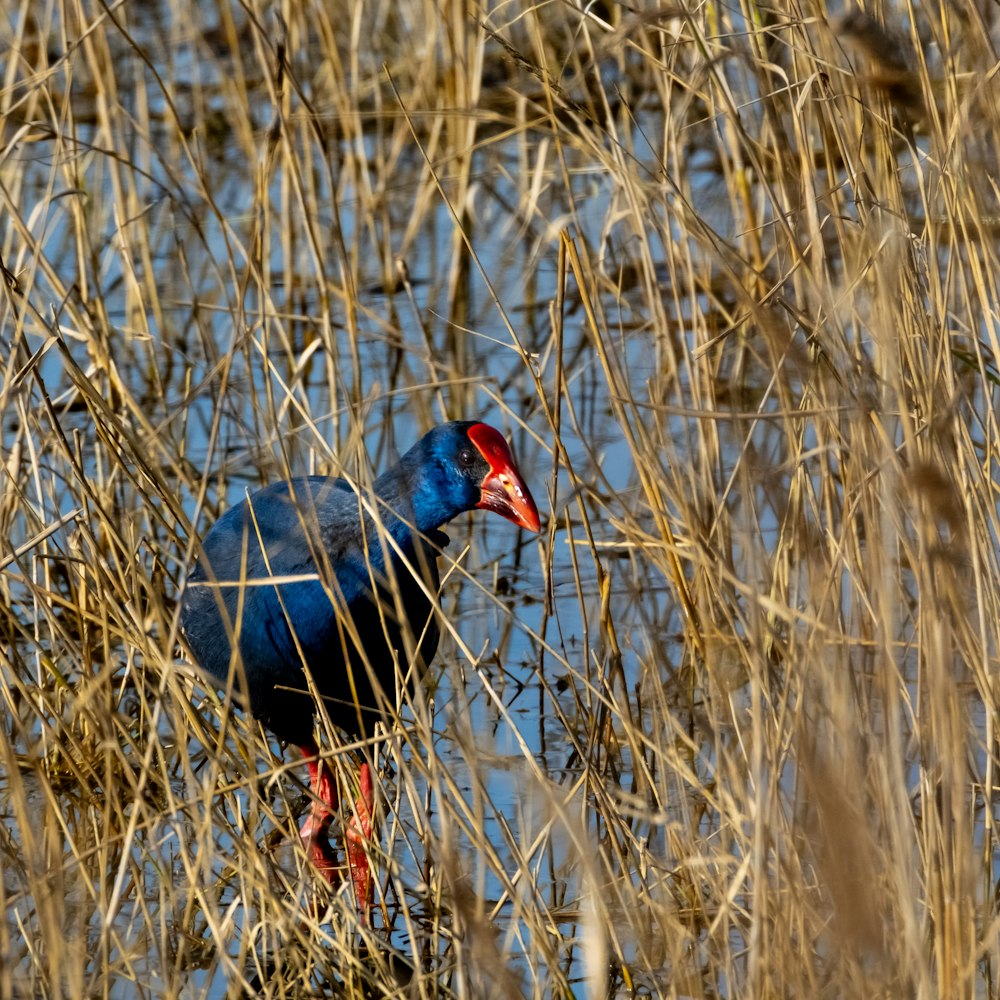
(261, 243)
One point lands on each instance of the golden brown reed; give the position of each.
(739, 311)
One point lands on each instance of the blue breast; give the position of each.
(358, 611)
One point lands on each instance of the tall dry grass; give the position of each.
(727, 274)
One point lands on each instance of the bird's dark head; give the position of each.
(464, 465)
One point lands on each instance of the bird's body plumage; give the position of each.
(297, 524)
(364, 604)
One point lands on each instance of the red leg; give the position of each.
(358, 833)
(315, 831)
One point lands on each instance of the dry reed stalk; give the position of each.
(735, 297)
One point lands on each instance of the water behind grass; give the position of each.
(725, 728)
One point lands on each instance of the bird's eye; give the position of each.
(466, 458)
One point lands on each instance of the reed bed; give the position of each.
(726, 275)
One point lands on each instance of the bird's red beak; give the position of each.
(504, 491)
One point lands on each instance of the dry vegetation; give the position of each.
(727, 274)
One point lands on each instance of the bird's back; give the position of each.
(342, 602)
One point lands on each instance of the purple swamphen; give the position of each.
(311, 573)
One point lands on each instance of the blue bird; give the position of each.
(310, 575)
